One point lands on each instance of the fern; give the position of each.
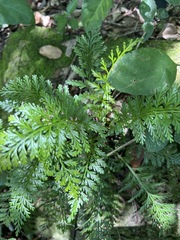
(4, 206)
(168, 156)
(99, 214)
(20, 209)
(89, 49)
(153, 204)
(59, 152)
(16, 90)
(18, 197)
(142, 114)
(98, 96)
(55, 132)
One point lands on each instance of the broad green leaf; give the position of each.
(143, 72)
(71, 6)
(148, 29)
(73, 22)
(174, 2)
(148, 9)
(61, 20)
(15, 12)
(94, 12)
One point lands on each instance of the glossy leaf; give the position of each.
(71, 6)
(15, 12)
(61, 20)
(94, 12)
(73, 22)
(143, 72)
(148, 29)
(148, 9)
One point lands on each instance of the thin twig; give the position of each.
(121, 147)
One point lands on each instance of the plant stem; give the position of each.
(120, 147)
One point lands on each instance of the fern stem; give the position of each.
(121, 147)
(140, 183)
(75, 226)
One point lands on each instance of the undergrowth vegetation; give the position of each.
(71, 154)
(67, 151)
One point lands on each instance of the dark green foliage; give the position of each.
(151, 71)
(56, 133)
(94, 12)
(69, 157)
(18, 196)
(15, 12)
(143, 114)
(89, 50)
(154, 204)
(169, 155)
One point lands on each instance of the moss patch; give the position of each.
(21, 54)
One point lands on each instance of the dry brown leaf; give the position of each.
(37, 16)
(69, 46)
(169, 32)
(50, 52)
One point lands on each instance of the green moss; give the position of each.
(21, 54)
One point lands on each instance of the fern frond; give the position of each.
(56, 133)
(33, 128)
(143, 114)
(9, 105)
(20, 208)
(77, 83)
(22, 188)
(163, 214)
(90, 167)
(98, 100)
(153, 204)
(26, 89)
(98, 95)
(99, 213)
(89, 50)
(169, 156)
(117, 54)
(4, 208)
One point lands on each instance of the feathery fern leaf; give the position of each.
(143, 114)
(154, 204)
(89, 49)
(55, 132)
